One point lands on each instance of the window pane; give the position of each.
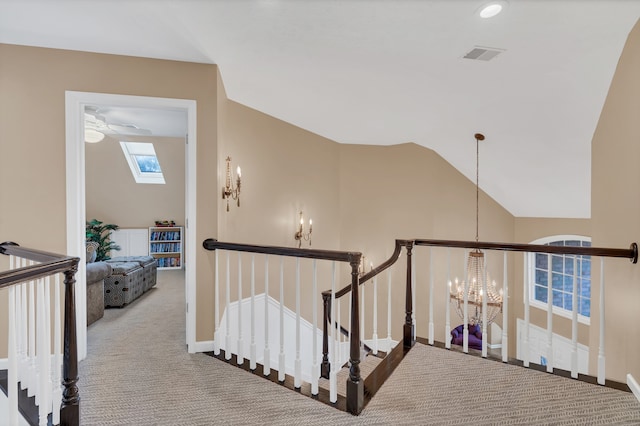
(541, 293)
(586, 243)
(542, 261)
(567, 302)
(585, 307)
(556, 263)
(148, 163)
(568, 264)
(568, 283)
(586, 267)
(585, 288)
(557, 298)
(557, 281)
(542, 277)
(572, 243)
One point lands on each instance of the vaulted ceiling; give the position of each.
(384, 72)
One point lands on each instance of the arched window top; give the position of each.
(552, 276)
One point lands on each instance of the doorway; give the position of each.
(75, 103)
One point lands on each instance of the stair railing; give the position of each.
(355, 385)
(31, 364)
(631, 254)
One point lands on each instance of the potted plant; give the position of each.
(100, 233)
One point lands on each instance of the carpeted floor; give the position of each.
(138, 372)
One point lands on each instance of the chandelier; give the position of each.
(477, 281)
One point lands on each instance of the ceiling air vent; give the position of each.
(483, 53)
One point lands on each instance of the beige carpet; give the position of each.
(139, 373)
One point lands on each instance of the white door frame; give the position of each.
(76, 208)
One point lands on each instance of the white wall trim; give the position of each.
(4, 363)
(202, 346)
(76, 203)
(633, 385)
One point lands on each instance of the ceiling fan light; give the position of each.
(93, 136)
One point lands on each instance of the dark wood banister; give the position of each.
(355, 383)
(52, 263)
(325, 366)
(631, 253)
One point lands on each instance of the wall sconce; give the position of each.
(300, 234)
(228, 191)
(362, 266)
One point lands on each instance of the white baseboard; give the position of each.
(495, 346)
(202, 346)
(633, 385)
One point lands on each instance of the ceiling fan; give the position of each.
(96, 126)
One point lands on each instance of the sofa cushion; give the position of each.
(97, 271)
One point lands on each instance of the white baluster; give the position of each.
(42, 355)
(281, 359)
(525, 337)
(388, 309)
(315, 367)
(267, 351)
(333, 381)
(375, 315)
(505, 311)
(12, 373)
(574, 321)
(363, 335)
(413, 297)
(47, 330)
(550, 325)
(465, 328)
(24, 370)
(252, 347)
(447, 301)
(33, 367)
(348, 339)
(601, 357)
(216, 333)
(484, 309)
(227, 344)
(297, 377)
(341, 354)
(240, 355)
(431, 331)
(57, 351)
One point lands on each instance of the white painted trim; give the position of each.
(4, 364)
(633, 385)
(202, 346)
(76, 207)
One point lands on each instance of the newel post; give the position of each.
(70, 408)
(408, 321)
(325, 367)
(355, 384)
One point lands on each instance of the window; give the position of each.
(143, 162)
(559, 272)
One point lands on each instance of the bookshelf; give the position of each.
(166, 245)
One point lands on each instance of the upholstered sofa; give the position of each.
(96, 274)
(475, 336)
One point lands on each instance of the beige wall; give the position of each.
(33, 82)
(615, 209)
(407, 191)
(112, 194)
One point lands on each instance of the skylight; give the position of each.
(143, 162)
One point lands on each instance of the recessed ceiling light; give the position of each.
(490, 10)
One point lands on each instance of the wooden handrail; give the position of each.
(52, 264)
(355, 384)
(631, 253)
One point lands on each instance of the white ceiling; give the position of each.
(387, 72)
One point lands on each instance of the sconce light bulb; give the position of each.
(239, 171)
